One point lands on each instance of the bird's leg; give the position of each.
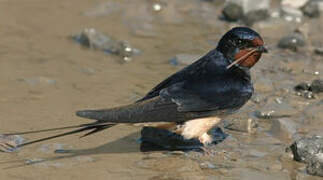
(198, 128)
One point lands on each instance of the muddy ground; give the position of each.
(45, 77)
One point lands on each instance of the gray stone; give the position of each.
(309, 151)
(303, 86)
(317, 86)
(311, 9)
(307, 94)
(318, 51)
(307, 90)
(315, 166)
(292, 41)
(306, 148)
(232, 12)
(94, 39)
(246, 10)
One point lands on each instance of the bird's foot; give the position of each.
(207, 141)
(208, 150)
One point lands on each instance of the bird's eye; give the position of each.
(239, 41)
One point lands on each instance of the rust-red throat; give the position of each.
(252, 56)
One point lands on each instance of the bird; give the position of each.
(192, 100)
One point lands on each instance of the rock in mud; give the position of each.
(10, 143)
(302, 86)
(318, 51)
(232, 12)
(93, 39)
(304, 89)
(307, 94)
(311, 9)
(247, 11)
(317, 86)
(155, 139)
(292, 41)
(309, 151)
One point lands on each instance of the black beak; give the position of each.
(262, 49)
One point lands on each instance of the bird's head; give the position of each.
(242, 46)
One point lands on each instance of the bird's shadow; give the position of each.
(152, 139)
(108, 148)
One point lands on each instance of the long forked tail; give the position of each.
(92, 127)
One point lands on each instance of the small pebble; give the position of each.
(232, 12)
(264, 115)
(318, 51)
(317, 86)
(157, 7)
(311, 9)
(302, 87)
(93, 39)
(292, 41)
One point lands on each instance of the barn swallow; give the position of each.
(194, 99)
